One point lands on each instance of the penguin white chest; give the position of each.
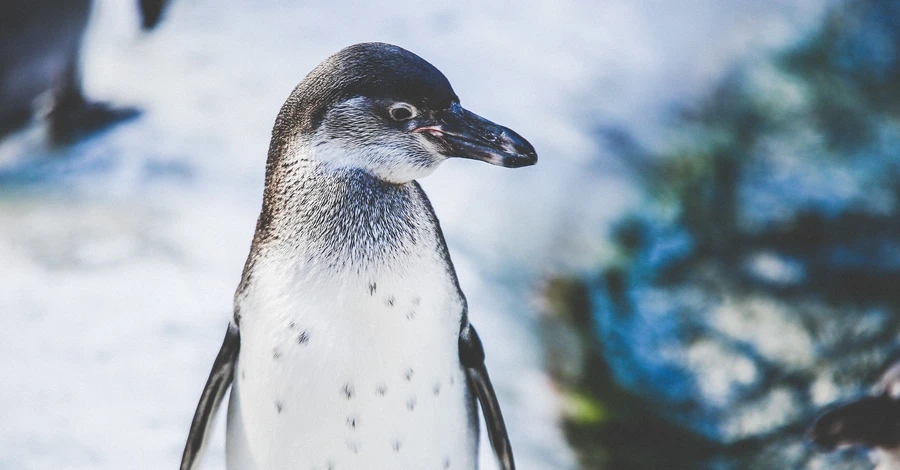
(359, 371)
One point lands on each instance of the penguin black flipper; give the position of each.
(471, 355)
(220, 378)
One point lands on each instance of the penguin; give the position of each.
(870, 422)
(350, 345)
(41, 44)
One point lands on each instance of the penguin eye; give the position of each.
(402, 112)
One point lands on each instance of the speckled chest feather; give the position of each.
(350, 314)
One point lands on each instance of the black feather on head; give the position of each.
(374, 70)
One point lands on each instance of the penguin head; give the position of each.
(382, 109)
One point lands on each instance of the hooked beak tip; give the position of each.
(521, 160)
(464, 134)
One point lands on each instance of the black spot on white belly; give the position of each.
(411, 314)
(303, 337)
(372, 288)
(452, 380)
(381, 390)
(396, 445)
(446, 463)
(416, 301)
(389, 301)
(409, 374)
(436, 389)
(351, 421)
(276, 353)
(243, 374)
(292, 325)
(347, 391)
(279, 405)
(411, 403)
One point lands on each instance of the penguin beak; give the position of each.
(464, 134)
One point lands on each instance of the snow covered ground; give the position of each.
(120, 254)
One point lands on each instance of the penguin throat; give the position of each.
(345, 218)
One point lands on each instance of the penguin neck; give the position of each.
(339, 218)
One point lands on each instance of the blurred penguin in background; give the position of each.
(40, 44)
(870, 422)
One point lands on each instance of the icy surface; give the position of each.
(120, 255)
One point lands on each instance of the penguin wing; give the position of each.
(220, 378)
(471, 354)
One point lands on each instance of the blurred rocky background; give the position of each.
(759, 279)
